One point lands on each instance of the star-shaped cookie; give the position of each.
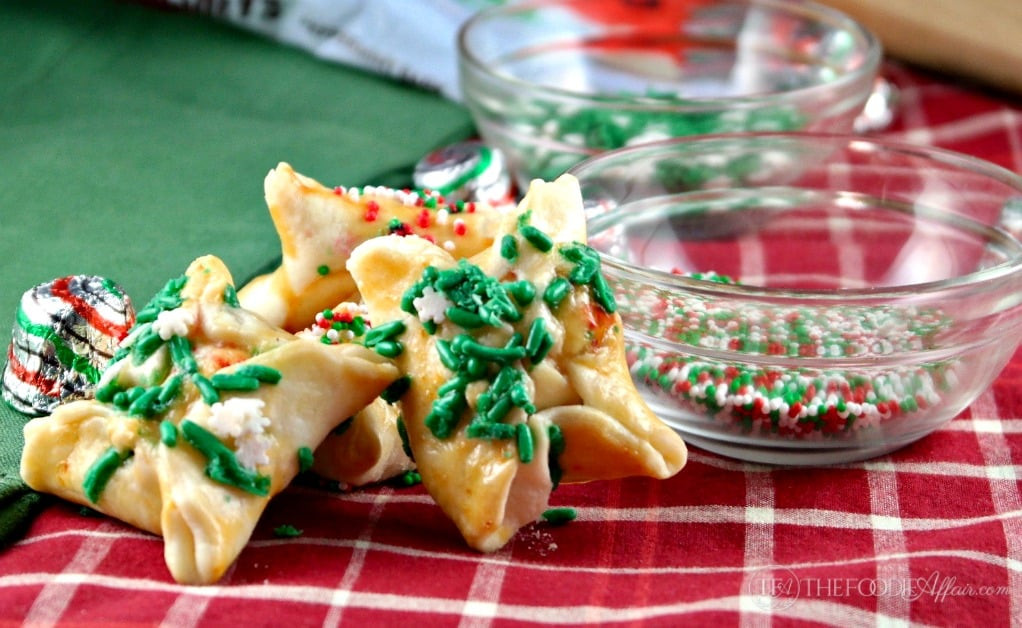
(320, 226)
(207, 412)
(516, 362)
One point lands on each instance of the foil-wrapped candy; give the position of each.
(65, 332)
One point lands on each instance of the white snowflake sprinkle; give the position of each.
(252, 451)
(431, 305)
(236, 417)
(176, 322)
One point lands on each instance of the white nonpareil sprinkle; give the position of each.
(176, 322)
(242, 419)
(431, 305)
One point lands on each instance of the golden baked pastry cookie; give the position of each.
(517, 369)
(367, 448)
(320, 226)
(207, 412)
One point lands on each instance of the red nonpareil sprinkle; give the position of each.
(471, 207)
(372, 211)
(429, 237)
(460, 228)
(339, 190)
(423, 220)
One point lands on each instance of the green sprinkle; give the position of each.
(231, 296)
(168, 433)
(233, 381)
(323, 270)
(556, 292)
(509, 248)
(447, 356)
(286, 531)
(468, 320)
(146, 344)
(402, 432)
(99, 474)
(171, 387)
(106, 393)
(389, 348)
(539, 342)
(305, 459)
(468, 346)
(603, 294)
(206, 389)
(181, 354)
(343, 427)
(490, 431)
(523, 291)
(410, 478)
(265, 374)
(556, 438)
(143, 405)
(525, 445)
(397, 389)
(221, 464)
(536, 238)
(384, 332)
(559, 516)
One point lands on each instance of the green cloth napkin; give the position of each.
(133, 140)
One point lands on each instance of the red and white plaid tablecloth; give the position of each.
(929, 535)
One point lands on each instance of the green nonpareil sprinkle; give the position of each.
(286, 531)
(559, 516)
(323, 270)
(410, 478)
(305, 459)
(99, 474)
(397, 389)
(509, 248)
(168, 433)
(221, 464)
(231, 296)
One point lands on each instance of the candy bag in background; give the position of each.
(410, 40)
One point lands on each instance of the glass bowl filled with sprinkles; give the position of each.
(808, 298)
(552, 82)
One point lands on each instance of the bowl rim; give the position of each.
(665, 279)
(867, 71)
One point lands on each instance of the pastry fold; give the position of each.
(320, 226)
(517, 366)
(208, 412)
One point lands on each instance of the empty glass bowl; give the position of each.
(808, 298)
(552, 82)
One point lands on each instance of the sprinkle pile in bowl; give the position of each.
(808, 298)
(552, 82)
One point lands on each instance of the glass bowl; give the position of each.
(552, 82)
(808, 298)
